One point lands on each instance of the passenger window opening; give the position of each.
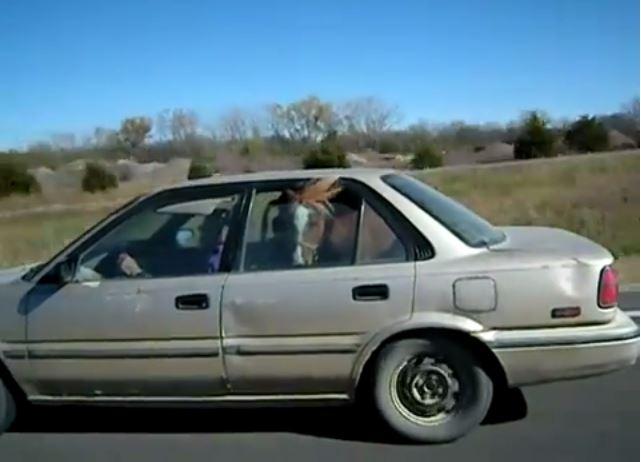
(319, 223)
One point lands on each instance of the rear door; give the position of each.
(156, 333)
(295, 329)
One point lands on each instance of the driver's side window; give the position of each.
(167, 239)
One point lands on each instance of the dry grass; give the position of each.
(628, 268)
(73, 199)
(35, 237)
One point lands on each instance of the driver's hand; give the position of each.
(128, 265)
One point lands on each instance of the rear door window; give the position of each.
(378, 243)
(284, 233)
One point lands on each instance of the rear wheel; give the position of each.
(7, 408)
(431, 390)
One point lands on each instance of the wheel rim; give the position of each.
(424, 389)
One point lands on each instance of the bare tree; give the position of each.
(306, 120)
(40, 146)
(105, 137)
(183, 125)
(631, 109)
(163, 125)
(134, 131)
(234, 125)
(63, 141)
(369, 115)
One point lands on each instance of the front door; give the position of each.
(141, 316)
(293, 325)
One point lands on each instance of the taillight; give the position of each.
(608, 287)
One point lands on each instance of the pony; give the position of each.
(311, 208)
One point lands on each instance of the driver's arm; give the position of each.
(129, 265)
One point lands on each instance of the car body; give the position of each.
(523, 302)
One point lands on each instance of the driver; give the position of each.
(206, 259)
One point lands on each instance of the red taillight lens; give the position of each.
(608, 288)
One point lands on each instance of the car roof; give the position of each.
(358, 173)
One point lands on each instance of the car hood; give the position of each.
(553, 242)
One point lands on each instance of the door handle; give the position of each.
(370, 293)
(192, 302)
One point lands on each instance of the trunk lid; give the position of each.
(544, 269)
(552, 242)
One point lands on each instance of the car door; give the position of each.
(295, 329)
(152, 334)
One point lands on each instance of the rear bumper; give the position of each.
(532, 356)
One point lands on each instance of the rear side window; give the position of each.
(378, 243)
(465, 224)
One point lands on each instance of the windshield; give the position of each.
(465, 224)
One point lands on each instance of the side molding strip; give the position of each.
(256, 350)
(146, 353)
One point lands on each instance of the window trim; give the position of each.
(417, 246)
(407, 248)
(359, 229)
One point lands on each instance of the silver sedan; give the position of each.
(326, 285)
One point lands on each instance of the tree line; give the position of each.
(319, 132)
(360, 124)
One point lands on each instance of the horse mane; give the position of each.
(318, 193)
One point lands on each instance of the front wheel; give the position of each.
(431, 390)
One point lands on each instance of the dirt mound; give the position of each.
(174, 171)
(493, 152)
(155, 173)
(356, 159)
(129, 170)
(377, 160)
(68, 178)
(52, 182)
(618, 140)
(229, 162)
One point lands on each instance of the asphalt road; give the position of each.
(629, 301)
(592, 419)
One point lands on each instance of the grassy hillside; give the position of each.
(593, 195)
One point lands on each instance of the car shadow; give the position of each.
(340, 422)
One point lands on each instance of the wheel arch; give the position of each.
(9, 381)
(459, 331)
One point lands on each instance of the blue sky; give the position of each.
(70, 65)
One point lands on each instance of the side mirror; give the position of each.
(62, 273)
(66, 270)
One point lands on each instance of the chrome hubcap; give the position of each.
(424, 389)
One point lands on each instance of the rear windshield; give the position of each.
(466, 225)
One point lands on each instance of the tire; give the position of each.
(7, 408)
(431, 390)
